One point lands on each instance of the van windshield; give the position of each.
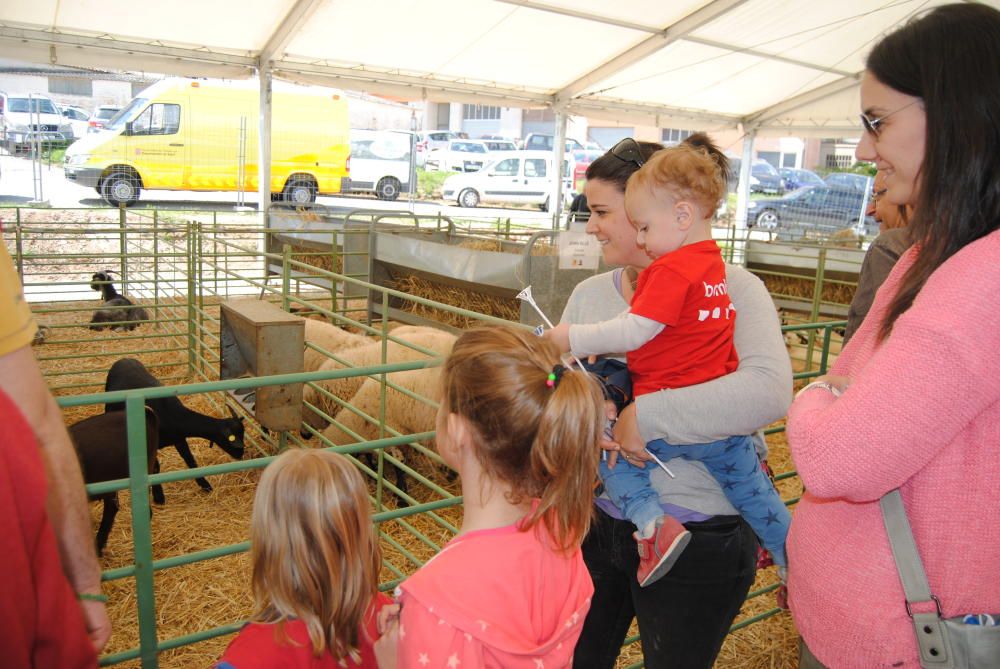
(25, 105)
(126, 114)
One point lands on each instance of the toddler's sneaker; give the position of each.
(658, 553)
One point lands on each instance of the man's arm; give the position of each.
(66, 503)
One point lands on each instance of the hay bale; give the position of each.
(542, 247)
(507, 308)
(784, 286)
(324, 260)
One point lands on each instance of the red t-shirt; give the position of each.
(257, 646)
(41, 624)
(686, 291)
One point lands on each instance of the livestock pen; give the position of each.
(178, 582)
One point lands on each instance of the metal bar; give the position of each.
(138, 462)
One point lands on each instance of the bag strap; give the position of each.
(932, 636)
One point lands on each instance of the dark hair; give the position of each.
(948, 58)
(617, 171)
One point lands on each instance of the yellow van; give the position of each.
(199, 135)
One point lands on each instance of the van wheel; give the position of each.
(545, 205)
(121, 188)
(299, 191)
(388, 188)
(468, 198)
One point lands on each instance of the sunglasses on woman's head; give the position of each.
(871, 125)
(628, 151)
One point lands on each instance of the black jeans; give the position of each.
(685, 616)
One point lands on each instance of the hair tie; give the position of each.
(554, 376)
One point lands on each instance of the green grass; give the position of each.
(55, 156)
(429, 183)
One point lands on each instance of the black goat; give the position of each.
(118, 312)
(177, 422)
(101, 443)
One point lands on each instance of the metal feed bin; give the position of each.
(439, 258)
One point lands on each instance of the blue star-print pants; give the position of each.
(734, 464)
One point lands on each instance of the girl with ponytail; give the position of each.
(511, 590)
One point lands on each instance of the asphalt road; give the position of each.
(18, 187)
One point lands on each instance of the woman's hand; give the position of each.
(559, 335)
(628, 440)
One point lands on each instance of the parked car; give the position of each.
(515, 140)
(536, 141)
(78, 120)
(429, 140)
(521, 178)
(850, 180)
(821, 208)
(101, 116)
(765, 179)
(380, 163)
(26, 117)
(796, 178)
(582, 158)
(500, 144)
(461, 155)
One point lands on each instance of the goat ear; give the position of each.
(234, 414)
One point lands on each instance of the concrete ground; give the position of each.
(18, 187)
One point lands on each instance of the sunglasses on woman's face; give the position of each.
(871, 125)
(628, 151)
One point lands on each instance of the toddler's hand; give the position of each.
(559, 335)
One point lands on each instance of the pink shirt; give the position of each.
(922, 414)
(499, 598)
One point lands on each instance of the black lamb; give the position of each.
(101, 443)
(177, 422)
(118, 312)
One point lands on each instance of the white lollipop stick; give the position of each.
(525, 295)
(660, 462)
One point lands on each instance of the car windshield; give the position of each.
(763, 168)
(25, 105)
(106, 112)
(130, 111)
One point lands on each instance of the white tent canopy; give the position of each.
(776, 67)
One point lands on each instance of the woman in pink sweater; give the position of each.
(914, 400)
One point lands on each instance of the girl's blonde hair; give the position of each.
(541, 440)
(687, 172)
(313, 548)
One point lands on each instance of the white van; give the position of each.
(380, 162)
(516, 177)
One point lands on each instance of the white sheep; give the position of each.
(370, 355)
(403, 413)
(328, 337)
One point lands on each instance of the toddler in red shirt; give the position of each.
(677, 333)
(316, 561)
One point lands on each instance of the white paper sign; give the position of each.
(578, 250)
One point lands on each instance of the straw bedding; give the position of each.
(216, 592)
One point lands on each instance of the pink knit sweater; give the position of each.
(922, 413)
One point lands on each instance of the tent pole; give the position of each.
(264, 145)
(556, 178)
(743, 199)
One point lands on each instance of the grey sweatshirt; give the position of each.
(759, 392)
